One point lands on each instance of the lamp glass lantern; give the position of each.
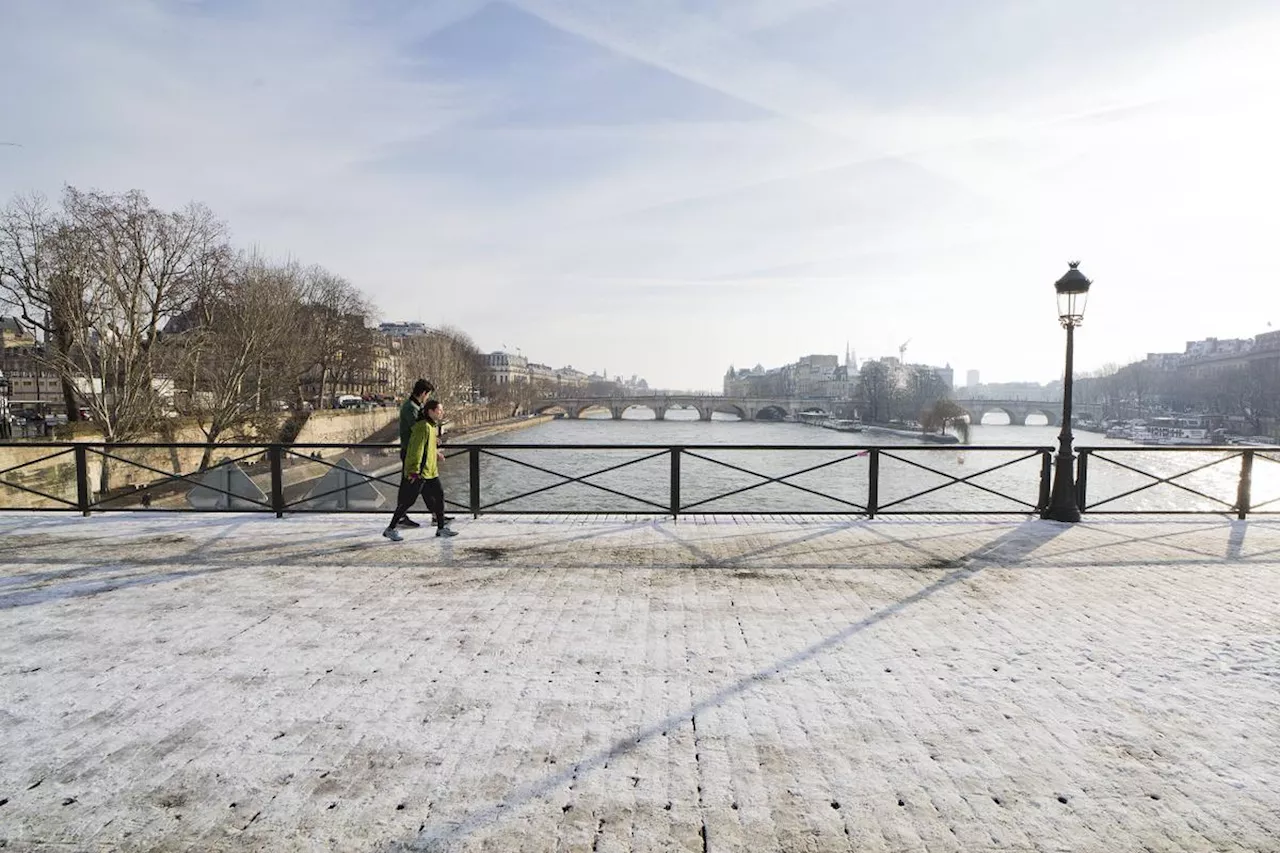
(1073, 295)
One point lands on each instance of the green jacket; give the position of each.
(424, 443)
(408, 417)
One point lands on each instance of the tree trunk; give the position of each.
(211, 442)
(63, 342)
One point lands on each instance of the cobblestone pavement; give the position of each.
(612, 684)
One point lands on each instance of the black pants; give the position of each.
(404, 450)
(431, 492)
(433, 497)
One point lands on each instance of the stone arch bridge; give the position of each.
(1017, 410)
(746, 408)
(774, 408)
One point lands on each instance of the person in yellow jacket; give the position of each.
(421, 475)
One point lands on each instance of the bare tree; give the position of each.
(34, 282)
(336, 319)
(108, 272)
(876, 387)
(133, 269)
(946, 413)
(924, 388)
(450, 359)
(230, 349)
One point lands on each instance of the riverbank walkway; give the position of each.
(227, 682)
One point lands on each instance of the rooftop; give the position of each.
(238, 682)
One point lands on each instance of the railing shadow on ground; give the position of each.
(1009, 547)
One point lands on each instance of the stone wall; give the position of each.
(345, 427)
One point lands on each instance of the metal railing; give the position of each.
(577, 479)
(1188, 481)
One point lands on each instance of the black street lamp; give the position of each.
(1073, 293)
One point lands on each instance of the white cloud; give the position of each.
(591, 179)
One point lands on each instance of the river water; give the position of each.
(717, 478)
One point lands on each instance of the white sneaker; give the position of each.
(393, 534)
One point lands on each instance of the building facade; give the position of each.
(569, 379)
(542, 375)
(507, 369)
(5, 428)
(812, 376)
(32, 384)
(1215, 356)
(402, 330)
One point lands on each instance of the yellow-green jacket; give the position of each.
(424, 442)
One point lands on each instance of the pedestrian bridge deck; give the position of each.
(241, 683)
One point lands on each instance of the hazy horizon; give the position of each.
(668, 188)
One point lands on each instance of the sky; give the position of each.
(669, 187)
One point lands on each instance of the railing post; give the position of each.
(82, 479)
(1046, 478)
(473, 464)
(275, 454)
(873, 485)
(1244, 495)
(1082, 480)
(675, 483)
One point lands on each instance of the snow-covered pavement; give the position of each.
(233, 682)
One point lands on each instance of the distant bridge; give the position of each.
(1019, 410)
(775, 408)
(746, 408)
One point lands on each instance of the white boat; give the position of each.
(1181, 430)
(1126, 429)
(843, 425)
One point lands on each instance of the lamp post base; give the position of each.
(1069, 515)
(1062, 505)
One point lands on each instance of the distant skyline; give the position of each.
(673, 187)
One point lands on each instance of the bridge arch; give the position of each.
(1017, 412)
(728, 409)
(771, 412)
(1052, 418)
(582, 410)
(657, 409)
(978, 412)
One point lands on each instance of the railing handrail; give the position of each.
(815, 457)
(333, 445)
(263, 445)
(1183, 448)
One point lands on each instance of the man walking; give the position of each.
(421, 475)
(409, 412)
(408, 417)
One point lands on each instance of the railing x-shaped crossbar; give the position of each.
(390, 479)
(966, 480)
(1157, 480)
(766, 480)
(169, 477)
(29, 463)
(1276, 500)
(566, 479)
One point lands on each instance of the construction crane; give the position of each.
(902, 352)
